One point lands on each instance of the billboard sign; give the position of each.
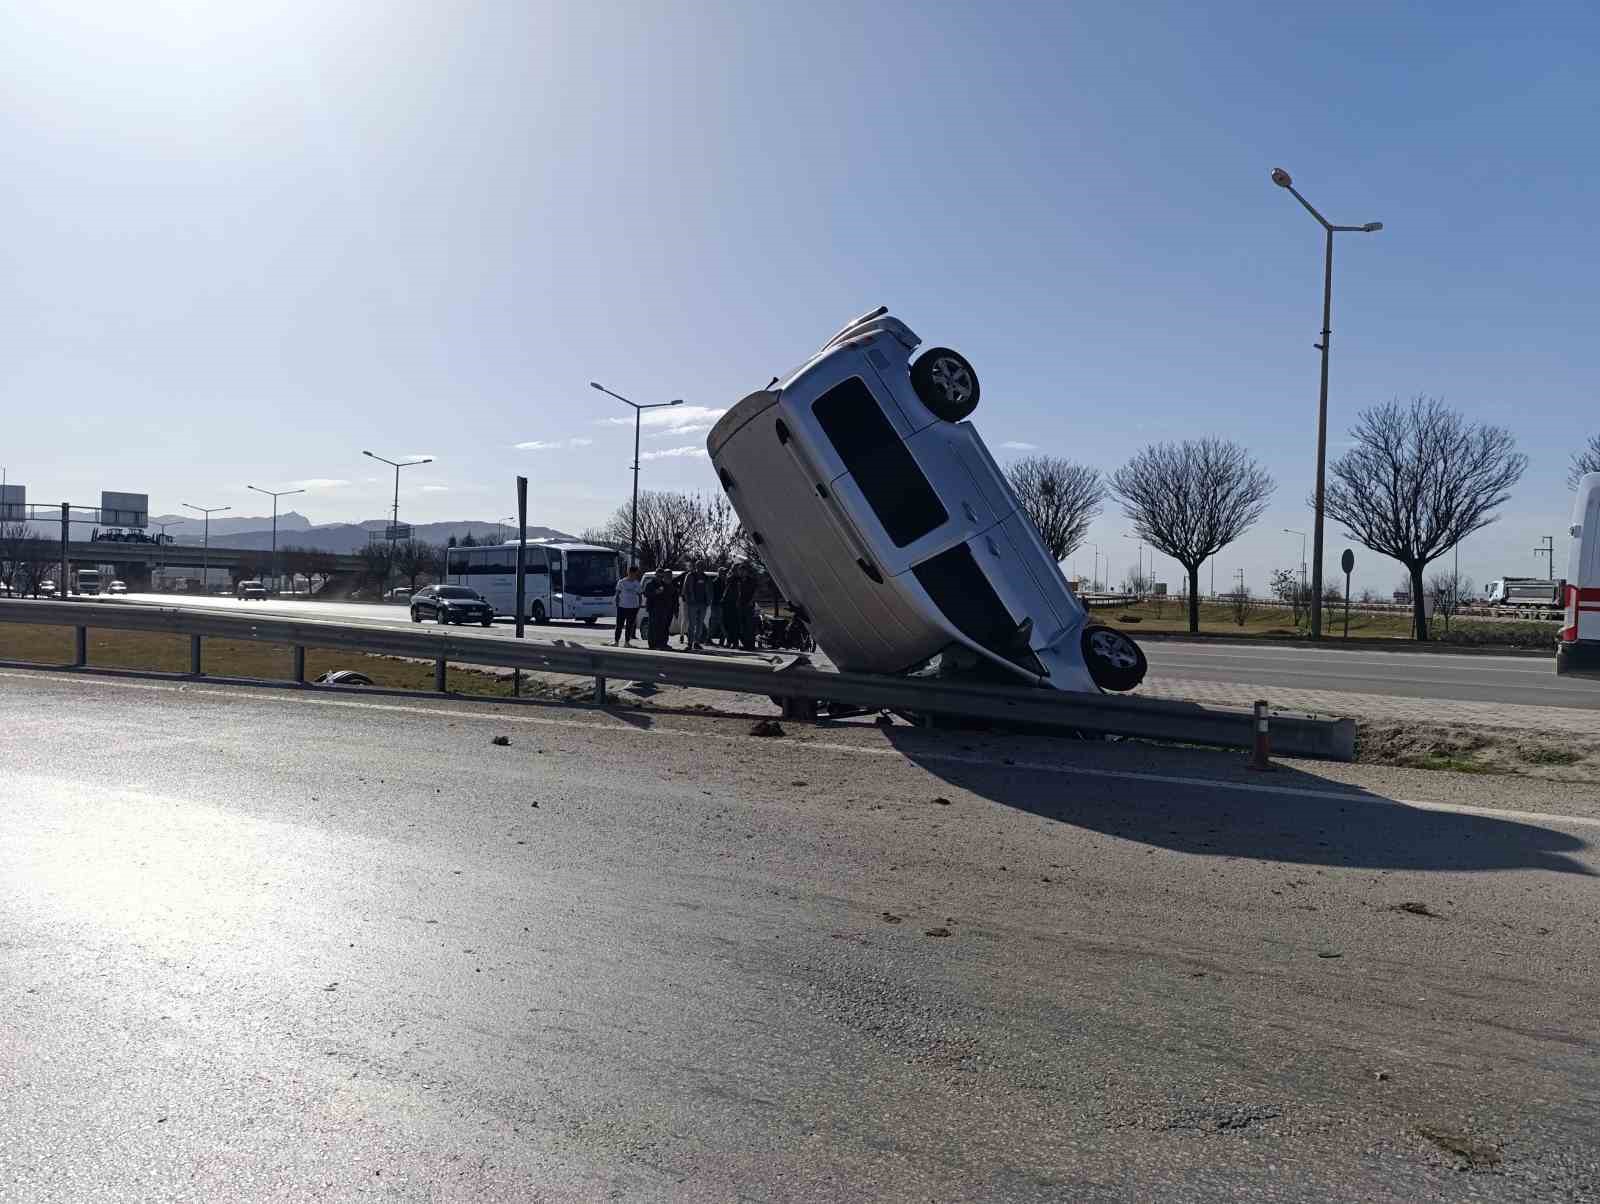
(13, 503)
(397, 531)
(124, 509)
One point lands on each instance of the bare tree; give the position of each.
(1447, 591)
(414, 557)
(13, 539)
(37, 558)
(1287, 588)
(1190, 500)
(671, 527)
(1418, 481)
(320, 563)
(1062, 499)
(1239, 603)
(1585, 460)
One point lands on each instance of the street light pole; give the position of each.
(638, 412)
(1302, 535)
(163, 544)
(394, 518)
(1283, 180)
(205, 552)
(276, 586)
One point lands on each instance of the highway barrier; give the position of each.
(794, 682)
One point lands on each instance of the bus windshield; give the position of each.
(591, 573)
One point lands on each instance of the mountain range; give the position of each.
(296, 529)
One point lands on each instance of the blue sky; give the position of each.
(245, 241)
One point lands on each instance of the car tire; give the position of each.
(946, 383)
(1115, 661)
(415, 617)
(592, 620)
(537, 614)
(488, 622)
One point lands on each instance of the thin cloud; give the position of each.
(318, 483)
(671, 418)
(579, 442)
(420, 456)
(665, 453)
(539, 445)
(436, 489)
(1018, 445)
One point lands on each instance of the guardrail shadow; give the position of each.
(1171, 801)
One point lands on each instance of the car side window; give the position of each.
(880, 463)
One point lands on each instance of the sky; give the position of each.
(244, 242)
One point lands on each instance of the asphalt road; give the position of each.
(263, 945)
(1462, 677)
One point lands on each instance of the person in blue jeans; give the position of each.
(628, 597)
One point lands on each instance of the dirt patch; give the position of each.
(1463, 748)
(1470, 1153)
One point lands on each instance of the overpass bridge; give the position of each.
(148, 556)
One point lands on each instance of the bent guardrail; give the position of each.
(1110, 714)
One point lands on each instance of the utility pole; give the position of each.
(205, 554)
(1548, 548)
(1282, 179)
(162, 544)
(274, 497)
(394, 519)
(638, 416)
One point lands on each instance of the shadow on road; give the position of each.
(1123, 792)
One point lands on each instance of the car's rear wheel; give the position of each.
(1115, 661)
(946, 383)
(538, 612)
(591, 620)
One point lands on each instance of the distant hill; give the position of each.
(336, 537)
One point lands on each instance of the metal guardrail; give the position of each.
(1111, 714)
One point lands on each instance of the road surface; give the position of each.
(263, 945)
(1459, 677)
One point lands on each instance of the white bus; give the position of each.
(564, 580)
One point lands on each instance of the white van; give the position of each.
(1578, 647)
(886, 523)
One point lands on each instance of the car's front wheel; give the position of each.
(442, 615)
(946, 383)
(415, 617)
(1115, 661)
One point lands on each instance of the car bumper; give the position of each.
(1581, 658)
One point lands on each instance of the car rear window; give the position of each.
(882, 465)
(961, 590)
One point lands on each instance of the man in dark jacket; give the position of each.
(656, 613)
(746, 594)
(696, 598)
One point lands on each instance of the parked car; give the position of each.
(47, 589)
(119, 587)
(398, 594)
(450, 604)
(886, 523)
(1578, 644)
(250, 591)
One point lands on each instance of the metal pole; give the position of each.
(522, 554)
(205, 558)
(394, 529)
(1261, 757)
(65, 582)
(633, 534)
(1322, 440)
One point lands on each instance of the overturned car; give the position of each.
(889, 527)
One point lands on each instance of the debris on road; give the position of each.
(941, 801)
(890, 918)
(937, 932)
(1417, 909)
(502, 741)
(766, 727)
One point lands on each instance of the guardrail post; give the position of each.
(80, 647)
(300, 664)
(438, 675)
(1261, 756)
(599, 690)
(194, 655)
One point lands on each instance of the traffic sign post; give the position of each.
(1347, 562)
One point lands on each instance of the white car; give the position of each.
(1578, 644)
(119, 587)
(889, 527)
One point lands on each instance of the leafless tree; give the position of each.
(1062, 499)
(37, 559)
(1447, 592)
(1190, 500)
(1239, 603)
(13, 539)
(414, 557)
(1418, 481)
(672, 527)
(1585, 460)
(321, 563)
(1287, 588)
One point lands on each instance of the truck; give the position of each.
(1533, 592)
(86, 581)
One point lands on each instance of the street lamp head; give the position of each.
(678, 402)
(364, 452)
(1372, 227)
(594, 384)
(1282, 178)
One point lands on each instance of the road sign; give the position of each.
(13, 504)
(1347, 561)
(397, 531)
(124, 509)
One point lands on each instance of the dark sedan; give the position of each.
(450, 604)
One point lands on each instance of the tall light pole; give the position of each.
(1138, 572)
(205, 554)
(1282, 179)
(638, 412)
(1302, 535)
(162, 541)
(394, 518)
(275, 497)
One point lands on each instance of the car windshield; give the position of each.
(591, 572)
(456, 591)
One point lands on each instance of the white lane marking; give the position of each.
(1129, 775)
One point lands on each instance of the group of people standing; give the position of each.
(718, 610)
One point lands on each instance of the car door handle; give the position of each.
(994, 548)
(972, 515)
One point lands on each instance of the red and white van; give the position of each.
(1578, 651)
